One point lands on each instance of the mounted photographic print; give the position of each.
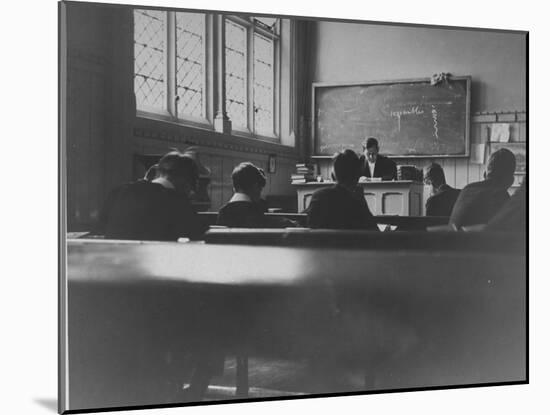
(189, 275)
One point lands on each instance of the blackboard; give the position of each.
(410, 118)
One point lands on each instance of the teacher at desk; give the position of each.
(374, 164)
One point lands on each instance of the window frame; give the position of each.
(235, 128)
(205, 38)
(210, 64)
(148, 110)
(253, 28)
(169, 113)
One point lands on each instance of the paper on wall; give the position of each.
(500, 132)
(478, 154)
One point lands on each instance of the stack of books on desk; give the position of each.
(304, 173)
(409, 173)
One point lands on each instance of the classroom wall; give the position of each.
(220, 153)
(103, 133)
(496, 61)
(97, 122)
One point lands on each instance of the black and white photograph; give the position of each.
(376, 256)
(292, 208)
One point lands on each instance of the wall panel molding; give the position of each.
(175, 134)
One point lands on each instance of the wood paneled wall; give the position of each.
(220, 153)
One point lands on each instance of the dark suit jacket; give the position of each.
(384, 167)
(243, 214)
(441, 203)
(149, 211)
(337, 208)
(512, 217)
(477, 203)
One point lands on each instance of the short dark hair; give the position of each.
(175, 163)
(371, 142)
(501, 165)
(435, 174)
(346, 166)
(245, 175)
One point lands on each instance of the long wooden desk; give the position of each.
(398, 197)
(414, 318)
(375, 241)
(399, 222)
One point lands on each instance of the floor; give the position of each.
(275, 377)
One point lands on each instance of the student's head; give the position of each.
(346, 167)
(435, 176)
(180, 169)
(501, 166)
(248, 179)
(370, 149)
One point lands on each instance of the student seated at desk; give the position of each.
(443, 197)
(512, 217)
(246, 208)
(478, 202)
(158, 209)
(343, 205)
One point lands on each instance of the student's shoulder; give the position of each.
(432, 198)
(475, 186)
(138, 187)
(172, 199)
(485, 187)
(326, 192)
(239, 206)
(385, 159)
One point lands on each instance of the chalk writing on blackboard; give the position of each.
(434, 116)
(411, 118)
(416, 110)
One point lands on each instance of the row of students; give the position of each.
(480, 202)
(158, 207)
(341, 206)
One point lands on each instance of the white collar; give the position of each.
(240, 197)
(164, 182)
(372, 166)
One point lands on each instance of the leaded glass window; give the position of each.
(174, 68)
(263, 84)
(235, 73)
(149, 64)
(190, 63)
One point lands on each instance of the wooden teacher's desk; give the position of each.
(433, 317)
(396, 197)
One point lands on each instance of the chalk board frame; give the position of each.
(319, 85)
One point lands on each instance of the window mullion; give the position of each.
(205, 69)
(276, 86)
(250, 79)
(221, 121)
(171, 64)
